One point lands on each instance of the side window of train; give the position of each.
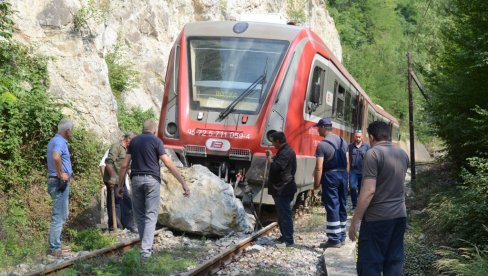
(371, 115)
(339, 96)
(348, 108)
(316, 90)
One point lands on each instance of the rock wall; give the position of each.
(144, 30)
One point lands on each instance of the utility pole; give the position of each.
(410, 119)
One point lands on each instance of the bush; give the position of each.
(132, 120)
(89, 239)
(121, 73)
(462, 213)
(28, 121)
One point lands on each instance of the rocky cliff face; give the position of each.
(77, 35)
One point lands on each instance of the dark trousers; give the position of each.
(285, 221)
(380, 247)
(123, 209)
(334, 198)
(354, 187)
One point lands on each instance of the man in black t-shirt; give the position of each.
(145, 151)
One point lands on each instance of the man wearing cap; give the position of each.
(331, 173)
(123, 205)
(356, 150)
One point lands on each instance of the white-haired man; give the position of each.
(59, 173)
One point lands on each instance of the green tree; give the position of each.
(374, 44)
(458, 79)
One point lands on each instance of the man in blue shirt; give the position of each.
(356, 150)
(59, 174)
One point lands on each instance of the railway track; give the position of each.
(106, 251)
(207, 268)
(214, 264)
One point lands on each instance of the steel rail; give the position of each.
(213, 265)
(120, 247)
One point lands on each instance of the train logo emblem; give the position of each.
(217, 144)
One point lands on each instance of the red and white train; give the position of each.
(229, 85)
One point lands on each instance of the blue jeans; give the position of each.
(380, 247)
(334, 198)
(146, 201)
(354, 187)
(59, 213)
(285, 221)
(123, 209)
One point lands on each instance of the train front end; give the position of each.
(220, 80)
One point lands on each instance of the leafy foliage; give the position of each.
(6, 23)
(121, 73)
(457, 78)
(132, 119)
(98, 13)
(461, 214)
(29, 119)
(89, 239)
(373, 41)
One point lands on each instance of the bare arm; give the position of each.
(368, 188)
(123, 170)
(111, 171)
(174, 171)
(58, 166)
(317, 174)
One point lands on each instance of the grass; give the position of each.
(89, 239)
(165, 262)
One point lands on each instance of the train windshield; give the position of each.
(222, 69)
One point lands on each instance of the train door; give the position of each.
(317, 103)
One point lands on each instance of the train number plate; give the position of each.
(219, 133)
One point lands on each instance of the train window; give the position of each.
(354, 113)
(316, 90)
(395, 133)
(371, 115)
(232, 73)
(347, 108)
(339, 101)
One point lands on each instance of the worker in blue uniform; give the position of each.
(331, 174)
(356, 150)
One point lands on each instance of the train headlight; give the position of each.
(171, 128)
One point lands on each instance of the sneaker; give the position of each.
(290, 244)
(328, 244)
(133, 230)
(56, 254)
(65, 248)
(279, 240)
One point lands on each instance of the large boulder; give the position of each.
(211, 210)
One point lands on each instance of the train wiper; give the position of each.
(261, 79)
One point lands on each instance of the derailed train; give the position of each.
(229, 85)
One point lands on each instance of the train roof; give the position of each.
(254, 29)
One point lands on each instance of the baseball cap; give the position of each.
(324, 122)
